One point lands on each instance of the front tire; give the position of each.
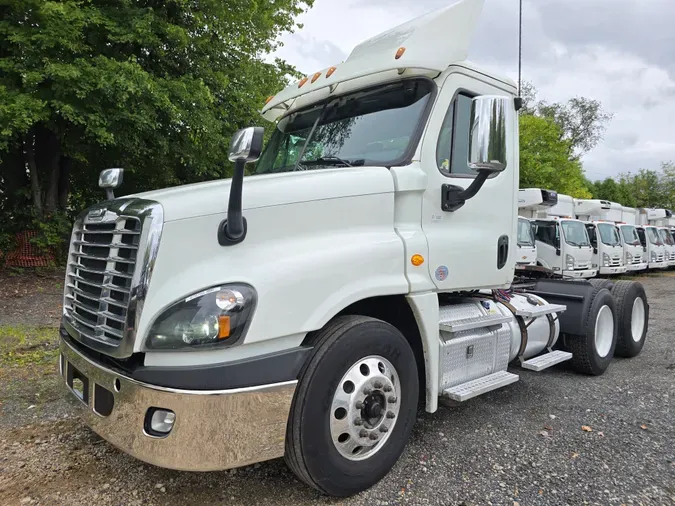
(593, 353)
(633, 317)
(354, 407)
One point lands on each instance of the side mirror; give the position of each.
(488, 152)
(487, 138)
(557, 251)
(595, 250)
(109, 179)
(245, 147)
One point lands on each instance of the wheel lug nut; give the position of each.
(367, 391)
(392, 399)
(363, 433)
(358, 421)
(384, 429)
(377, 385)
(390, 414)
(387, 388)
(359, 405)
(373, 436)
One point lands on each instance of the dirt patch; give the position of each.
(31, 297)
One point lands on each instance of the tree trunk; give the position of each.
(51, 169)
(15, 178)
(64, 181)
(29, 144)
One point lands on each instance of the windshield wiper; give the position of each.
(572, 243)
(334, 160)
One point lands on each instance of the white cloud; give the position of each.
(571, 48)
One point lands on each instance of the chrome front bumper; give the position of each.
(214, 430)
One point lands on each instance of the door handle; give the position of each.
(502, 251)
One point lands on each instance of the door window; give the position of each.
(547, 233)
(452, 151)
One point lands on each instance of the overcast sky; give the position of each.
(621, 52)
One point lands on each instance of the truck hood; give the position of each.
(202, 199)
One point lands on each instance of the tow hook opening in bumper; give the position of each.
(185, 430)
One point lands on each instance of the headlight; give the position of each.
(218, 316)
(653, 256)
(569, 262)
(629, 258)
(605, 259)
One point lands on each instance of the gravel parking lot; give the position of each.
(553, 438)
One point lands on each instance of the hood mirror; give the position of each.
(109, 179)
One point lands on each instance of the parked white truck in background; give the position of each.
(656, 248)
(563, 244)
(599, 217)
(663, 219)
(635, 250)
(532, 203)
(301, 311)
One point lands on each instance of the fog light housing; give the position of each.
(159, 422)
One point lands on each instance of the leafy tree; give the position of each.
(545, 161)
(154, 86)
(582, 120)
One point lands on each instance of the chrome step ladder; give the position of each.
(479, 386)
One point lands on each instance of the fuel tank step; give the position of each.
(546, 360)
(480, 386)
(475, 322)
(535, 311)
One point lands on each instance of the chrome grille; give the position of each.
(112, 253)
(100, 271)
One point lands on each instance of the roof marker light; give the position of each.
(399, 53)
(316, 76)
(330, 71)
(269, 99)
(302, 82)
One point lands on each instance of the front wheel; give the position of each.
(354, 407)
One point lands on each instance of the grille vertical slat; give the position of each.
(100, 272)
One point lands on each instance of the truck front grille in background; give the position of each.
(582, 266)
(637, 259)
(100, 270)
(615, 262)
(659, 257)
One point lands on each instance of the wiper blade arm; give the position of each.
(334, 160)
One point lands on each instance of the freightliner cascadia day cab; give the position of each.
(366, 265)
(563, 244)
(635, 250)
(599, 216)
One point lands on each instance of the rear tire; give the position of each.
(322, 433)
(592, 354)
(633, 317)
(601, 283)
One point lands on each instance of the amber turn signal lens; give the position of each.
(400, 52)
(417, 260)
(316, 76)
(223, 327)
(330, 71)
(302, 82)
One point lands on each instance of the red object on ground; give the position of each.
(26, 254)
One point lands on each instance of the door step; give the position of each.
(546, 360)
(476, 322)
(535, 311)
(480, 386)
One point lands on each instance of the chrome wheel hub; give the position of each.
(365, 408)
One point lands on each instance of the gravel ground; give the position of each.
(520, 445)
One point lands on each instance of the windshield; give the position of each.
(609, 234)
(665, 236)
(653, 236)
(525, 237)
(575, 233)
(369, 127)
(630, 235)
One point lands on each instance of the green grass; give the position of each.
(24, 345)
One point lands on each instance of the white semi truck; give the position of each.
(635, 250)
(563, 244)
(656, 248)
(367, 262)
(532, 203)
(599, 217)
